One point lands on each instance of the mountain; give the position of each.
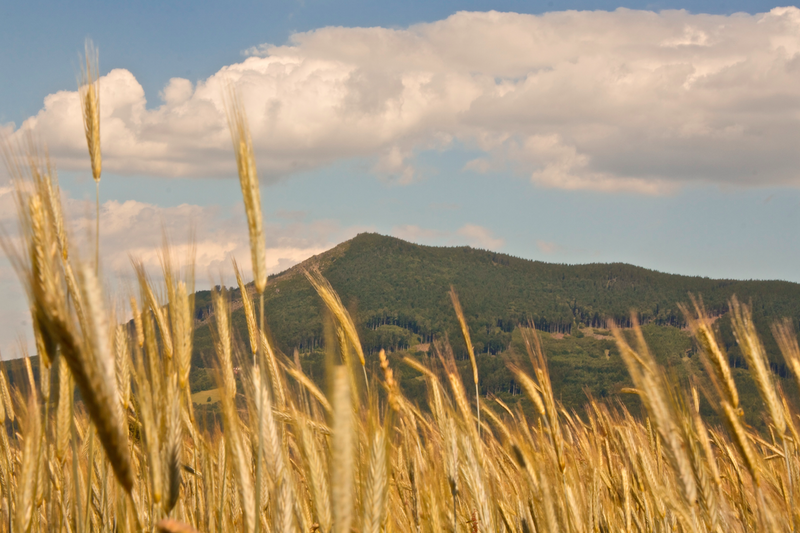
(397, 293)
(388, 281)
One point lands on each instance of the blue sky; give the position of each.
(657, 138)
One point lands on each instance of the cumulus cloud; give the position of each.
(613, 101)
(548, 247)
(134, 229)
(480, 237)
(469, 234)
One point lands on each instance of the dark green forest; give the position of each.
(397, 293)
(386, 281)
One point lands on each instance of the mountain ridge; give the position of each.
(389, 281)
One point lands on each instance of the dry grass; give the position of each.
(289, 457)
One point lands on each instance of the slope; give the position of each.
(389, 282)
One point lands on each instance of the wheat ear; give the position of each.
(783, 332)
(174, 446)
(335, 306)
(753, 351)
(155, 307)
(122, 361)
(642, 369)
(137, 322)
(90, 106)
(274, 372)
(90, 110)
(248, 180)
(107, 417)
(376, 495)
(715, 358)
(182, 329)
(249, 313)
(470, 350)
(64, 410)
(316, 476)
(5, 396)
(28, 475)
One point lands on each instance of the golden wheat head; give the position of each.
(90, 106)
(248, 180)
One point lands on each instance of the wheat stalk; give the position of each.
(470, 350)
(155, 308)
(376, 492)
(182, 330)
(122, 366)
(316, 476)
(248, 180)
(659, 405)
(714, 355)
(28, 474)
(337, 309)
(174, 447)
(249, 313)
(753, 351)
(342, 452)
(5, 397)
(89, 93)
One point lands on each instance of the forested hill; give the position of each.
(397, 293)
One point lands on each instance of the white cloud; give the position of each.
(177, 91)
(548, 247)
(625, 100)
(480, 237)
(135, 229)
(393, 165)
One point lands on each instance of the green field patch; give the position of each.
(206, 397)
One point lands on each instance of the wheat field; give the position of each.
(358, 456)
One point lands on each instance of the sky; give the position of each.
(662, 134)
